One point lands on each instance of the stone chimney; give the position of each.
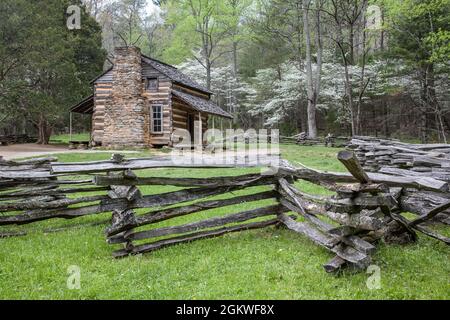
(124, 123)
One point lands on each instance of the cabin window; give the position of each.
(157, 119)
(152, 84)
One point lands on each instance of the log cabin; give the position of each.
(140, 102)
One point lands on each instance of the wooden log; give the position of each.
(349, 160)
(165, 214)
(359, 221)
(430, 214)
(323, 226)
(355, 204)
(349, 239)
(179, 182)
(48, 191)
(432, 234)
(352, 189)
(43, 204)
(10, 234)
(409, 173)
(421, 183)
(160, 162)
(193, 237)
(343, 231)
(46, 202)
(29, 190)
(34, 161)
(308, 231)
(335, 264)
(421, 202)
(130, 193)
(345, 252)
(24, 175)
(359, 244)
(8, 184)
(364, 201)
(107, 204)
(25, 167)
(207, 223)
(430, 162)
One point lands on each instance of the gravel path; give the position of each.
(26, 150)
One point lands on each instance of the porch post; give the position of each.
(70, 127)
(200, 127)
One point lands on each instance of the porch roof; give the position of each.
(202, 105)
(86, 106)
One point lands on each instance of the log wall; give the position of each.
(174, 110)
(162, 97)
(180, 112)
(102, 92)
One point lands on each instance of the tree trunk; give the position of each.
(425, 104)
(235, 62)
(386, 119)
(312, 98)
(44, 130)
(349, 94)
(434, 103)
(208, 74)
(363, 83)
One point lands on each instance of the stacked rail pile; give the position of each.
(369, 209)
(422, 161)
(327, 141)
(403, 159)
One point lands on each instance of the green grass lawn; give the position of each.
(261, 264)
(65, 138)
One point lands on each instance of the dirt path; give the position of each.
(26, 150)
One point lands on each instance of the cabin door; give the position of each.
(191, 126)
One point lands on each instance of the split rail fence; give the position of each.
(364, 209)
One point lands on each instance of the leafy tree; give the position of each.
(199, 31)
(419, 33)
(55, 66)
